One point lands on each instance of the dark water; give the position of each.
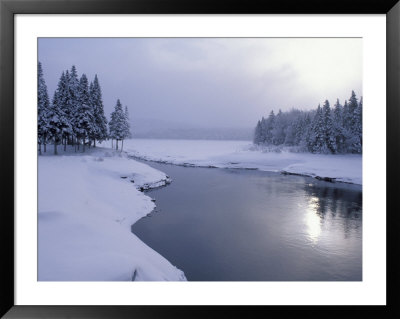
(242, 225)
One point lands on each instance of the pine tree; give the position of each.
(73, 100)
(263, 130)
(97, 105)
(268, 128)
(58, 124)
(43, 110)
(84, 120)
(257, 134)
(353, 103)
(61, 101)
(307, 135)
(127, 130)
(278, 131)
(351, 118)
(338, 127)
(357, 128)
(128, 133)
(117, 125)
(317, 140)
(329, 132)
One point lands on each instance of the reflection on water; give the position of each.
(333, 205)
(312, 219)
(229, 225)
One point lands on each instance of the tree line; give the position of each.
(326, 130)
(75, 116)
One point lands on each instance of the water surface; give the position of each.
(247, 225)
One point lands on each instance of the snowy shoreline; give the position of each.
(242, 155)
(87, 204)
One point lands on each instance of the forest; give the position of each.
(75, 116)
(326, 130)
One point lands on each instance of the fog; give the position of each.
(209, 82)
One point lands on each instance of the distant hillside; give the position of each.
(149, 128)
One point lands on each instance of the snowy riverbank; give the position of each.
(87, 204)
(242, 154)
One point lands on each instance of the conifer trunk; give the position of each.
(116, 145)
(122, 146)
(55, 147)
(40, 148)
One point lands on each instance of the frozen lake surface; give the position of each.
(247, 225)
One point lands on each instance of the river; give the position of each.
(249, 225)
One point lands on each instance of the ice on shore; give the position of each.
(242, 154)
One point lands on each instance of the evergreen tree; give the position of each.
(73, 101)
(263, 130)
(43, 110)
(84, 120)
(317, 140)
(353, 102)
(338, 127)
(97, 105)
(357, 128)
(117, 125)
(268, 128)
(127, 130)
(127, 133)
(352, 139)
(278, 131)
(58, 124)
(306, 133)
(61, 102)
(257, 134)
(330, 140)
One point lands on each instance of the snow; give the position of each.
(243, 154)
(87, 204)
(88, 201)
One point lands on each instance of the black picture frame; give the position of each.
(8, 8)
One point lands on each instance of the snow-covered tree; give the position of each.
(97, 105)
(357, 127)
(127, 127)
(257, 139)
(268, 128)
(317, 141)
(61, 103)
(330, 140)
(323, 130)
(338, 127)
(352, 126)
(128, 133)
(278, 131)
(73, 101)
(84, 119)
(58, 125)
(43, 110)
(117, 125)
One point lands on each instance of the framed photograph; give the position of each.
(164, 158)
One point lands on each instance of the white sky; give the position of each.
(210, 82)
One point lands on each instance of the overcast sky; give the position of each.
(209, 82)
